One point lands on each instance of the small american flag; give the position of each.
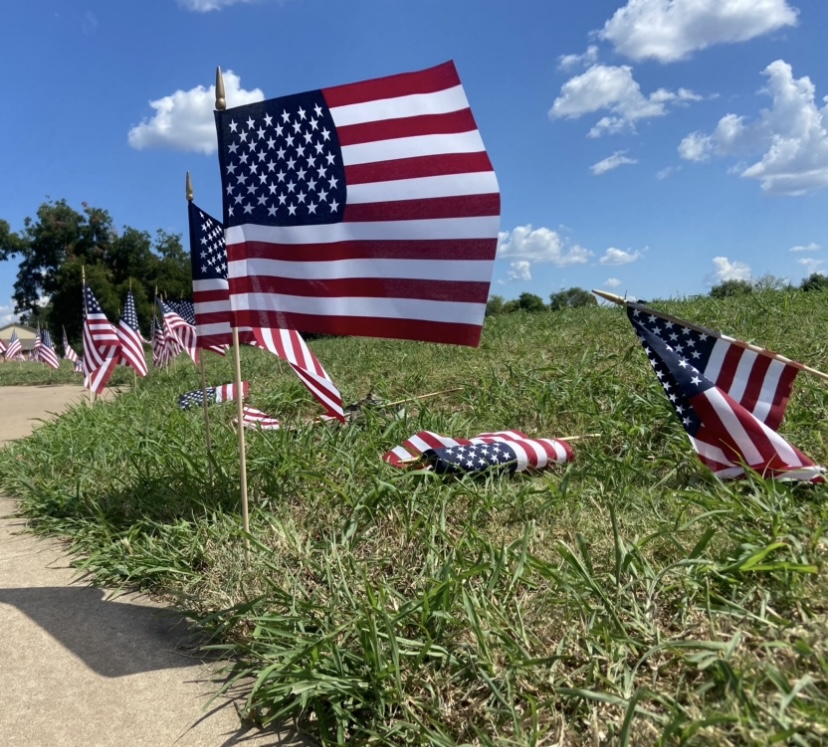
(132, 348)
(46, 352)
(367, 209)
(2, 348)
(217, 394)
(15, 347)
(254, 419)
(729, 399)
(101, 345)
(214, 317)
(504, 449)
(68, 353)
(177, 329)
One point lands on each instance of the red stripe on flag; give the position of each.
(405, 84)
(424, 290)
(433, 208)
(418, 167)
(425, 124)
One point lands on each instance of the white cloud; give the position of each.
(811, 264)
(184, 119)
(205, 6)
(613, 88)
(791, 135)
(7, 314)
(812, 247)
(613, 256)
(568, 61)
(727, 270)
(670, 30)
(612, 283)
(539, 245)
(520, 270)
(665, 172)
(612, 162)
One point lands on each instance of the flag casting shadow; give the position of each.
(112, 638)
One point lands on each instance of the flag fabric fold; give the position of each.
(101, 345)
(369, 209)
(254, 419)
(510, 450)
(216, 394)
(132, 346)
(729, 399)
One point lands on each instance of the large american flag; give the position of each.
(368, 209)
(511, 449)
(214, 316)
(101, 345)
(132, 347)
(729, 399)
(15, 347)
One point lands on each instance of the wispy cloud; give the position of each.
(612, 162)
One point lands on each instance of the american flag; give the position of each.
(132, 348)
(729, 399)
(46, 354)
(159, 344)
(369, 209)
(511, 449)
(254, 419)
(217, 394)
(179, 330)
(101, 345)
(2, 348)
(38, 345)
(68, 353)
(15, 347)
(214, 317)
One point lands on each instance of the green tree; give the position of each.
(816, 281)
(57, 246)
(730, 288)
(530, 302)
(571, 298)
(495, 306)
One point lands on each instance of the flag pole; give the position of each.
(189, 193)
(739, 343)
(92, 395)
(221, 105)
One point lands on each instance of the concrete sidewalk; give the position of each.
(80, 669)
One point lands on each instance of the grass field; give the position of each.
(626, 599)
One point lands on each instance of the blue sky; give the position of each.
(653, 147)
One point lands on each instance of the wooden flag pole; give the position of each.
(92, 395)
(221, 105)
(739, 343)
(189, 193)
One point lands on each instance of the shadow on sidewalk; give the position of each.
(113, 638)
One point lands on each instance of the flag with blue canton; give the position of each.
(730, 426)
(132, 345)
(472, 458)
(47, 353)
(217, 394)
(367, 209)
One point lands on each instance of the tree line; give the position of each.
(56, 246)
(571, 298)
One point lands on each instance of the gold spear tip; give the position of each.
(189, 188)
(610, 297)
(221, 102)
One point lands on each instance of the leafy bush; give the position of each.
(571, 298)
(730, 288)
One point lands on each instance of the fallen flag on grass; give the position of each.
(377, 215)
(730, 399)
(217, 394)
(511, 450)
(254, 419)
